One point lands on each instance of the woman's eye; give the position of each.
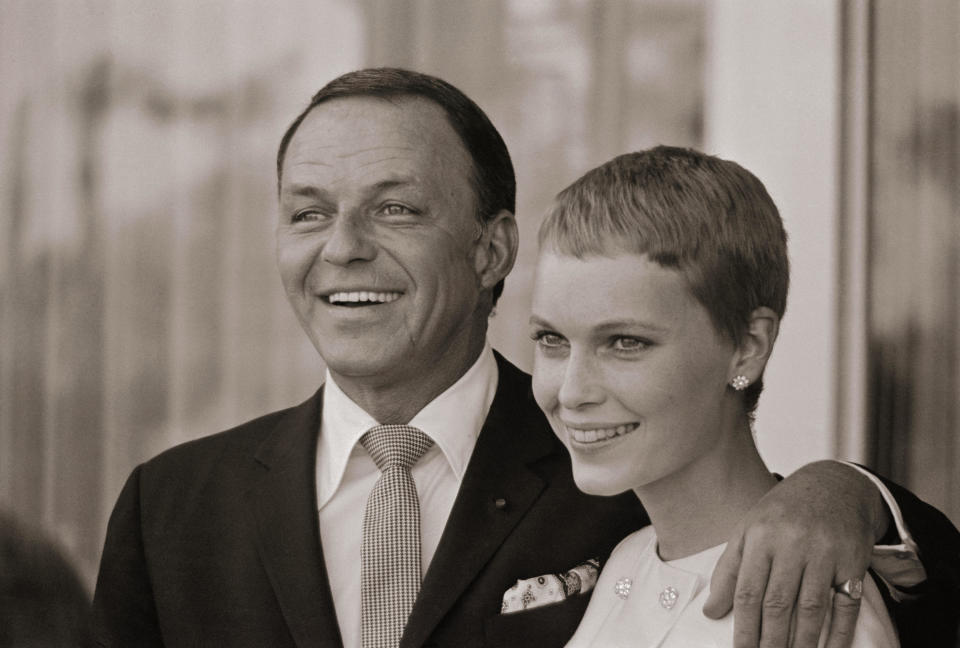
(548, 340)
(629, 344)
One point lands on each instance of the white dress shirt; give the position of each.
(664, 605)
(346, 475)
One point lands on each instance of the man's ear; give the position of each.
(756, 345)
(496, 248)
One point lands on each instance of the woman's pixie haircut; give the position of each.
(710, 219)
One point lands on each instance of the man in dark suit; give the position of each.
(396, 233)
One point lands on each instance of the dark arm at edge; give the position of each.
(931, 615)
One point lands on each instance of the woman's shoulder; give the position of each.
(639, 540)
(630, 548)
(628, 554)
(874, 626)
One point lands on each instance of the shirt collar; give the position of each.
(453, 420)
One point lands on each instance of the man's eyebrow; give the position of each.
(312, 191)
(392, 183)
(306, 191)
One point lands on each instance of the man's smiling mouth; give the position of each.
(361, 298)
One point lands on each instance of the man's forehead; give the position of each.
(370, 131)
(402, 123)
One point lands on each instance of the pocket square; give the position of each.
(550, 588)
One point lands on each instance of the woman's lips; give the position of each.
(593, 434)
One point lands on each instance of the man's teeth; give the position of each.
(600, 434)
(361, 296)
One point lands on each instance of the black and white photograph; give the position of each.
(480, 323)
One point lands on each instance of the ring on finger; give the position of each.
(852, 587)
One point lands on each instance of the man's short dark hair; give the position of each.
(493, 179)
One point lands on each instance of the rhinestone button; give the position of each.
(668, 598)
(622, 587)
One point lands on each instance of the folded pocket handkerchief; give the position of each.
(550, 588)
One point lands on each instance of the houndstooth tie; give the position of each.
(390, 552)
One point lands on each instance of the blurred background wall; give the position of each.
(140, 301)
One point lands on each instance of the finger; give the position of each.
(778, 600)
(812, 603)
(843, 622)
(748, 598)
(723, 582)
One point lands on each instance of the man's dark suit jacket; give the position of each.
(216, 542)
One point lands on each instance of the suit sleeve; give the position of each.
(928, 611)
(124, 613)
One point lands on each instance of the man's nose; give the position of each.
(581, 384)
(348, 241)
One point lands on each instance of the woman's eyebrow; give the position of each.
(537, 321)
(619, 324)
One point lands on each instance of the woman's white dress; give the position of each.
(641, 601)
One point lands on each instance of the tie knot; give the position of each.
(395, 445)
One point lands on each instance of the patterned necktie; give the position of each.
(390, 552)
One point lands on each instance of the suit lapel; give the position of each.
(477, 527)
(283, 513)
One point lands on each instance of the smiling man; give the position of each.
(382, 254)
(408, 502)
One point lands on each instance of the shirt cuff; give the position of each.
(897, 565)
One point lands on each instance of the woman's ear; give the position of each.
(756, 345)
(496, 248)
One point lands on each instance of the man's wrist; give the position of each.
(880, 517)
(885, 532)
(895, 558)
(884, 514)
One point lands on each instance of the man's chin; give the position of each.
(365, 367)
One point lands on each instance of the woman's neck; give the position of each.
(699, 506)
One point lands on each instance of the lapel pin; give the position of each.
(500, 503)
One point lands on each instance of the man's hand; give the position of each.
(812, 531)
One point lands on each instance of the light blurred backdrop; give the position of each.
(141, 305)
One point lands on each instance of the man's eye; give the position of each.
(628, 344)
(393, 209)
(307, 215)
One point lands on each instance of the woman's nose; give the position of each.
(581, 384)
